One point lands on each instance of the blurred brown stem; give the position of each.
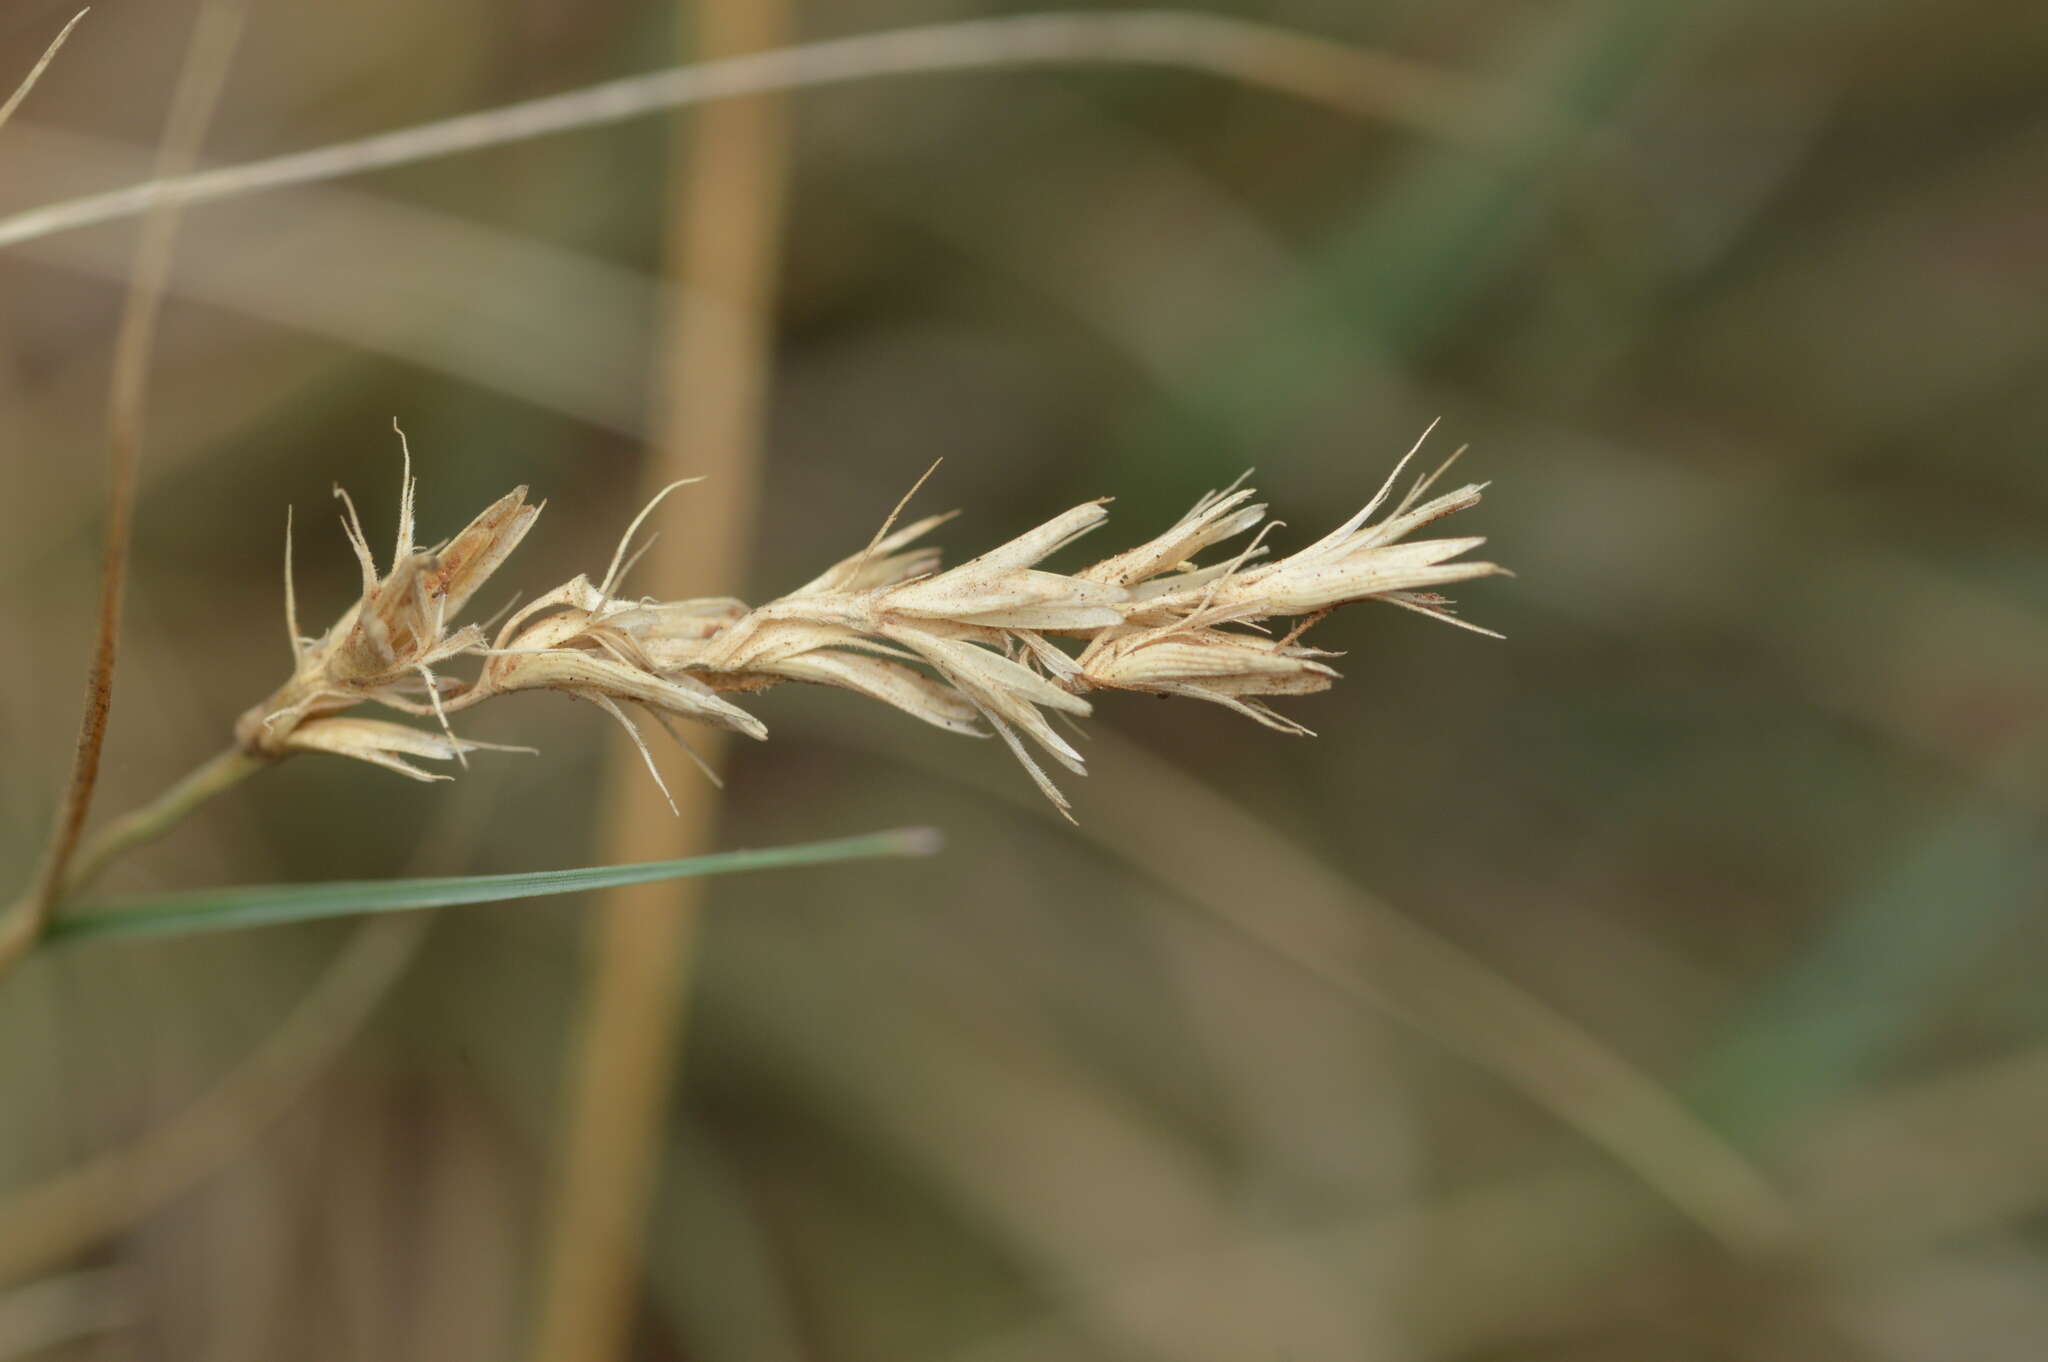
(725, 217)
(207, 54)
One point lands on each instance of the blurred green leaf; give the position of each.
(1836, 1014)
(258, 905)
(1422, 251)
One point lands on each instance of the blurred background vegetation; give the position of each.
(1295, 1049)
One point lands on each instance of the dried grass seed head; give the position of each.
(385, 646)
(1359, 560)
(959, 648)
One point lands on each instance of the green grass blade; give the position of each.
(1863, 991)
(258, 905)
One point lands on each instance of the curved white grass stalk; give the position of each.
(1352, 80)
(35, 72)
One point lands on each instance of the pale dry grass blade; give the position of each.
(571, 338)
(1351, 80)
(35, 72)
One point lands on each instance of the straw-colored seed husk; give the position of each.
(970, 649)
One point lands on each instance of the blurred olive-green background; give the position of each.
(1743, 309)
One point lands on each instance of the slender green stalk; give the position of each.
(238, 907)
(141, 826)
(22, 927)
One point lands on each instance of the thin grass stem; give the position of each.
(1352, 80)
(207, 55)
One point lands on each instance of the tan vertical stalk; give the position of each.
(725, 219)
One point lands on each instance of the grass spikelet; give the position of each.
(973, 649)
